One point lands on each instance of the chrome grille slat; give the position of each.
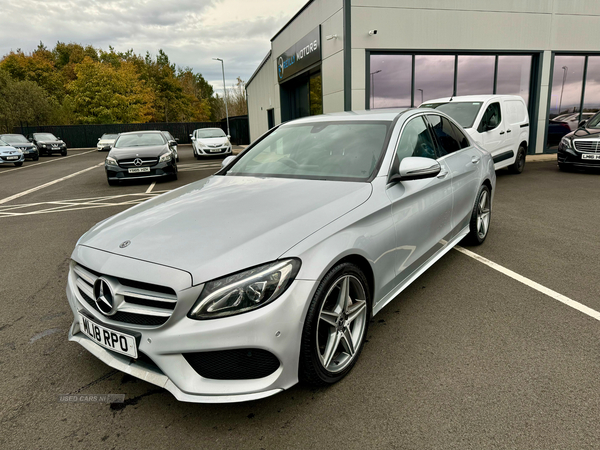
(587, 145)
(157, 310)
(145, 310)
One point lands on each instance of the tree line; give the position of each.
(73, 84)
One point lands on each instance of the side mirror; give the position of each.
(228, 137)
(99, 138)
(582, 124)
(228, 160)
(57, 138)
(177, 139)
(172, 143)
(193, 138)
(416, 168)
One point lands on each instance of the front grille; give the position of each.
(238, 364)
(10, 157)
(138, 303)
(146, 162)
(587, 145)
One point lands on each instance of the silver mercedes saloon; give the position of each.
(267, 273)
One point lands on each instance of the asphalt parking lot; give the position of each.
(466, 357)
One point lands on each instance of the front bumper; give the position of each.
(163, 169)
(571, 157)
(276, 328)
(30, 152)
(50, 149)
(3, 160)
(226, 150)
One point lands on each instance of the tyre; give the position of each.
(36, 158)
(564, 167)
(112, 182)
(173, 177)
(197, 157)
(519, 164)
(19, 164)
(63, 153)
(336, 325)
(481, 216)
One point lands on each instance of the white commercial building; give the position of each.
(343, 55)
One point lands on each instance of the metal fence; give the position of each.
(82, 136)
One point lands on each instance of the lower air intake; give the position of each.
(238, 364)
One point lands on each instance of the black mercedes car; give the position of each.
(140, 154)
(581, 148)
(20, 142)
(47, 144)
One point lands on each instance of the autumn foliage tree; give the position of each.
(102, 93)
(72, 84)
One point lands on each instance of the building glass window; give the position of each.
(475, 74)
(434, 77)
(565, 100)
(591, 99)
(390, 81)
(392, 84)
(514, 75)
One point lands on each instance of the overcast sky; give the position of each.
(191, 32)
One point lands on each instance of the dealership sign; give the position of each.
(299, 56)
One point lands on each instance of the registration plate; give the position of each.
(113, 340)
(590, 156)
(10, 158)
(139, 169)
(215, 150)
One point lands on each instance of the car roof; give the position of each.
(387, 115)
(17, 134)
(213, 128)
(472, 98)
(142, 131)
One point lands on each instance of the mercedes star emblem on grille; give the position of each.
(137, 162)
(124, 244)
(105, 298)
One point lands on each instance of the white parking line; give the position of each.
(532, 284)
(150, 188)
(37, 188)
(46, 162)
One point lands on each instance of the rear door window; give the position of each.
(446, 135)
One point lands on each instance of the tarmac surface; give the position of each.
(465, 358)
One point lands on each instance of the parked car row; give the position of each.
(15, 148)
(154, 154)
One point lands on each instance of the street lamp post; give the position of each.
(566, 69)
(373, 87)
(421, 94)
(225, 92)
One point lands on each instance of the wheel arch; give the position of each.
(364, 265)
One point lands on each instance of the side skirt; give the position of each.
(426, 265)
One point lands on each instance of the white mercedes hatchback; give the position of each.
(267, 273)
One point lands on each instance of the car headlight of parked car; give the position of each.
(111, 161)
(244, 291)
(165, 158)
(566, 142)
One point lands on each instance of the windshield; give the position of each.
(324, 151)
(139, 140)
(45, 137)
(205, 134)
(14, 139)
(3, 144)
(593, 122)
(463, 112)
(109, 136)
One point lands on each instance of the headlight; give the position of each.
(164, 158)
(244, 291)
(111, 161)
(566, 142)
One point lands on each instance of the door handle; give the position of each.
(475, 159)
(508, 131)
(502, 132)
(442, 174)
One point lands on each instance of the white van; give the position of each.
(498, 123)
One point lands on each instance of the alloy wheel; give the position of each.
(483, 214)
(341, 323)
